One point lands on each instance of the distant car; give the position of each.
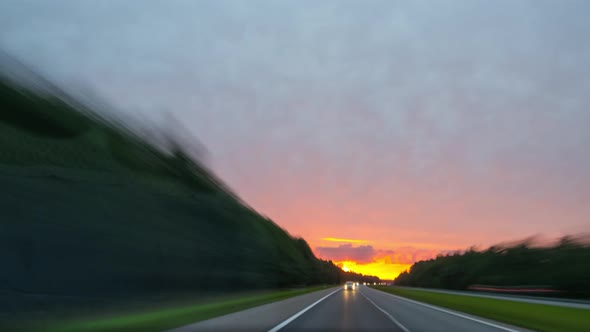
(349, 285)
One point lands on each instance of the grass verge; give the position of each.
(533, 316)
(164, 319)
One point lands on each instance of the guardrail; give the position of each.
(515, 289)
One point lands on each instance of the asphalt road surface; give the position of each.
(336, 309)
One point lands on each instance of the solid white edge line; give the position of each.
(395, 321)
(453, 313)
(292, 318)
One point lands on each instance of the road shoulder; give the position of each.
(508, 315)
(260, 318)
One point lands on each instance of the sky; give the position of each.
(383, 132)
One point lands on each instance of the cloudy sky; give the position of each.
(412, 127)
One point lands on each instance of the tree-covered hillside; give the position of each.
(88, 207)
(562, 269)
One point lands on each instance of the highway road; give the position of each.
(335, 309)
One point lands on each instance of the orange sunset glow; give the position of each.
(361, 257)
(381, 225)
(381, 269)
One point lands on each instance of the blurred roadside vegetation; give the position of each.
(160, 317)
(89, 208)
(562, 269)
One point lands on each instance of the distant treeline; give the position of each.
(89, 207)
(561, 270)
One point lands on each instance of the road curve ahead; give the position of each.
(363, 309)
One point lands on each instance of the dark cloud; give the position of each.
(368, 254)
(346, 252)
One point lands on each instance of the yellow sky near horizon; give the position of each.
(380, 269)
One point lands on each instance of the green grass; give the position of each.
(533, 316)
(168, 318)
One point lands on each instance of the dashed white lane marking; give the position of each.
(395, 321)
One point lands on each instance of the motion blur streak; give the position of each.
(377, 141)
(90, 209)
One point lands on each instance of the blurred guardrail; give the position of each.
(520, 289)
